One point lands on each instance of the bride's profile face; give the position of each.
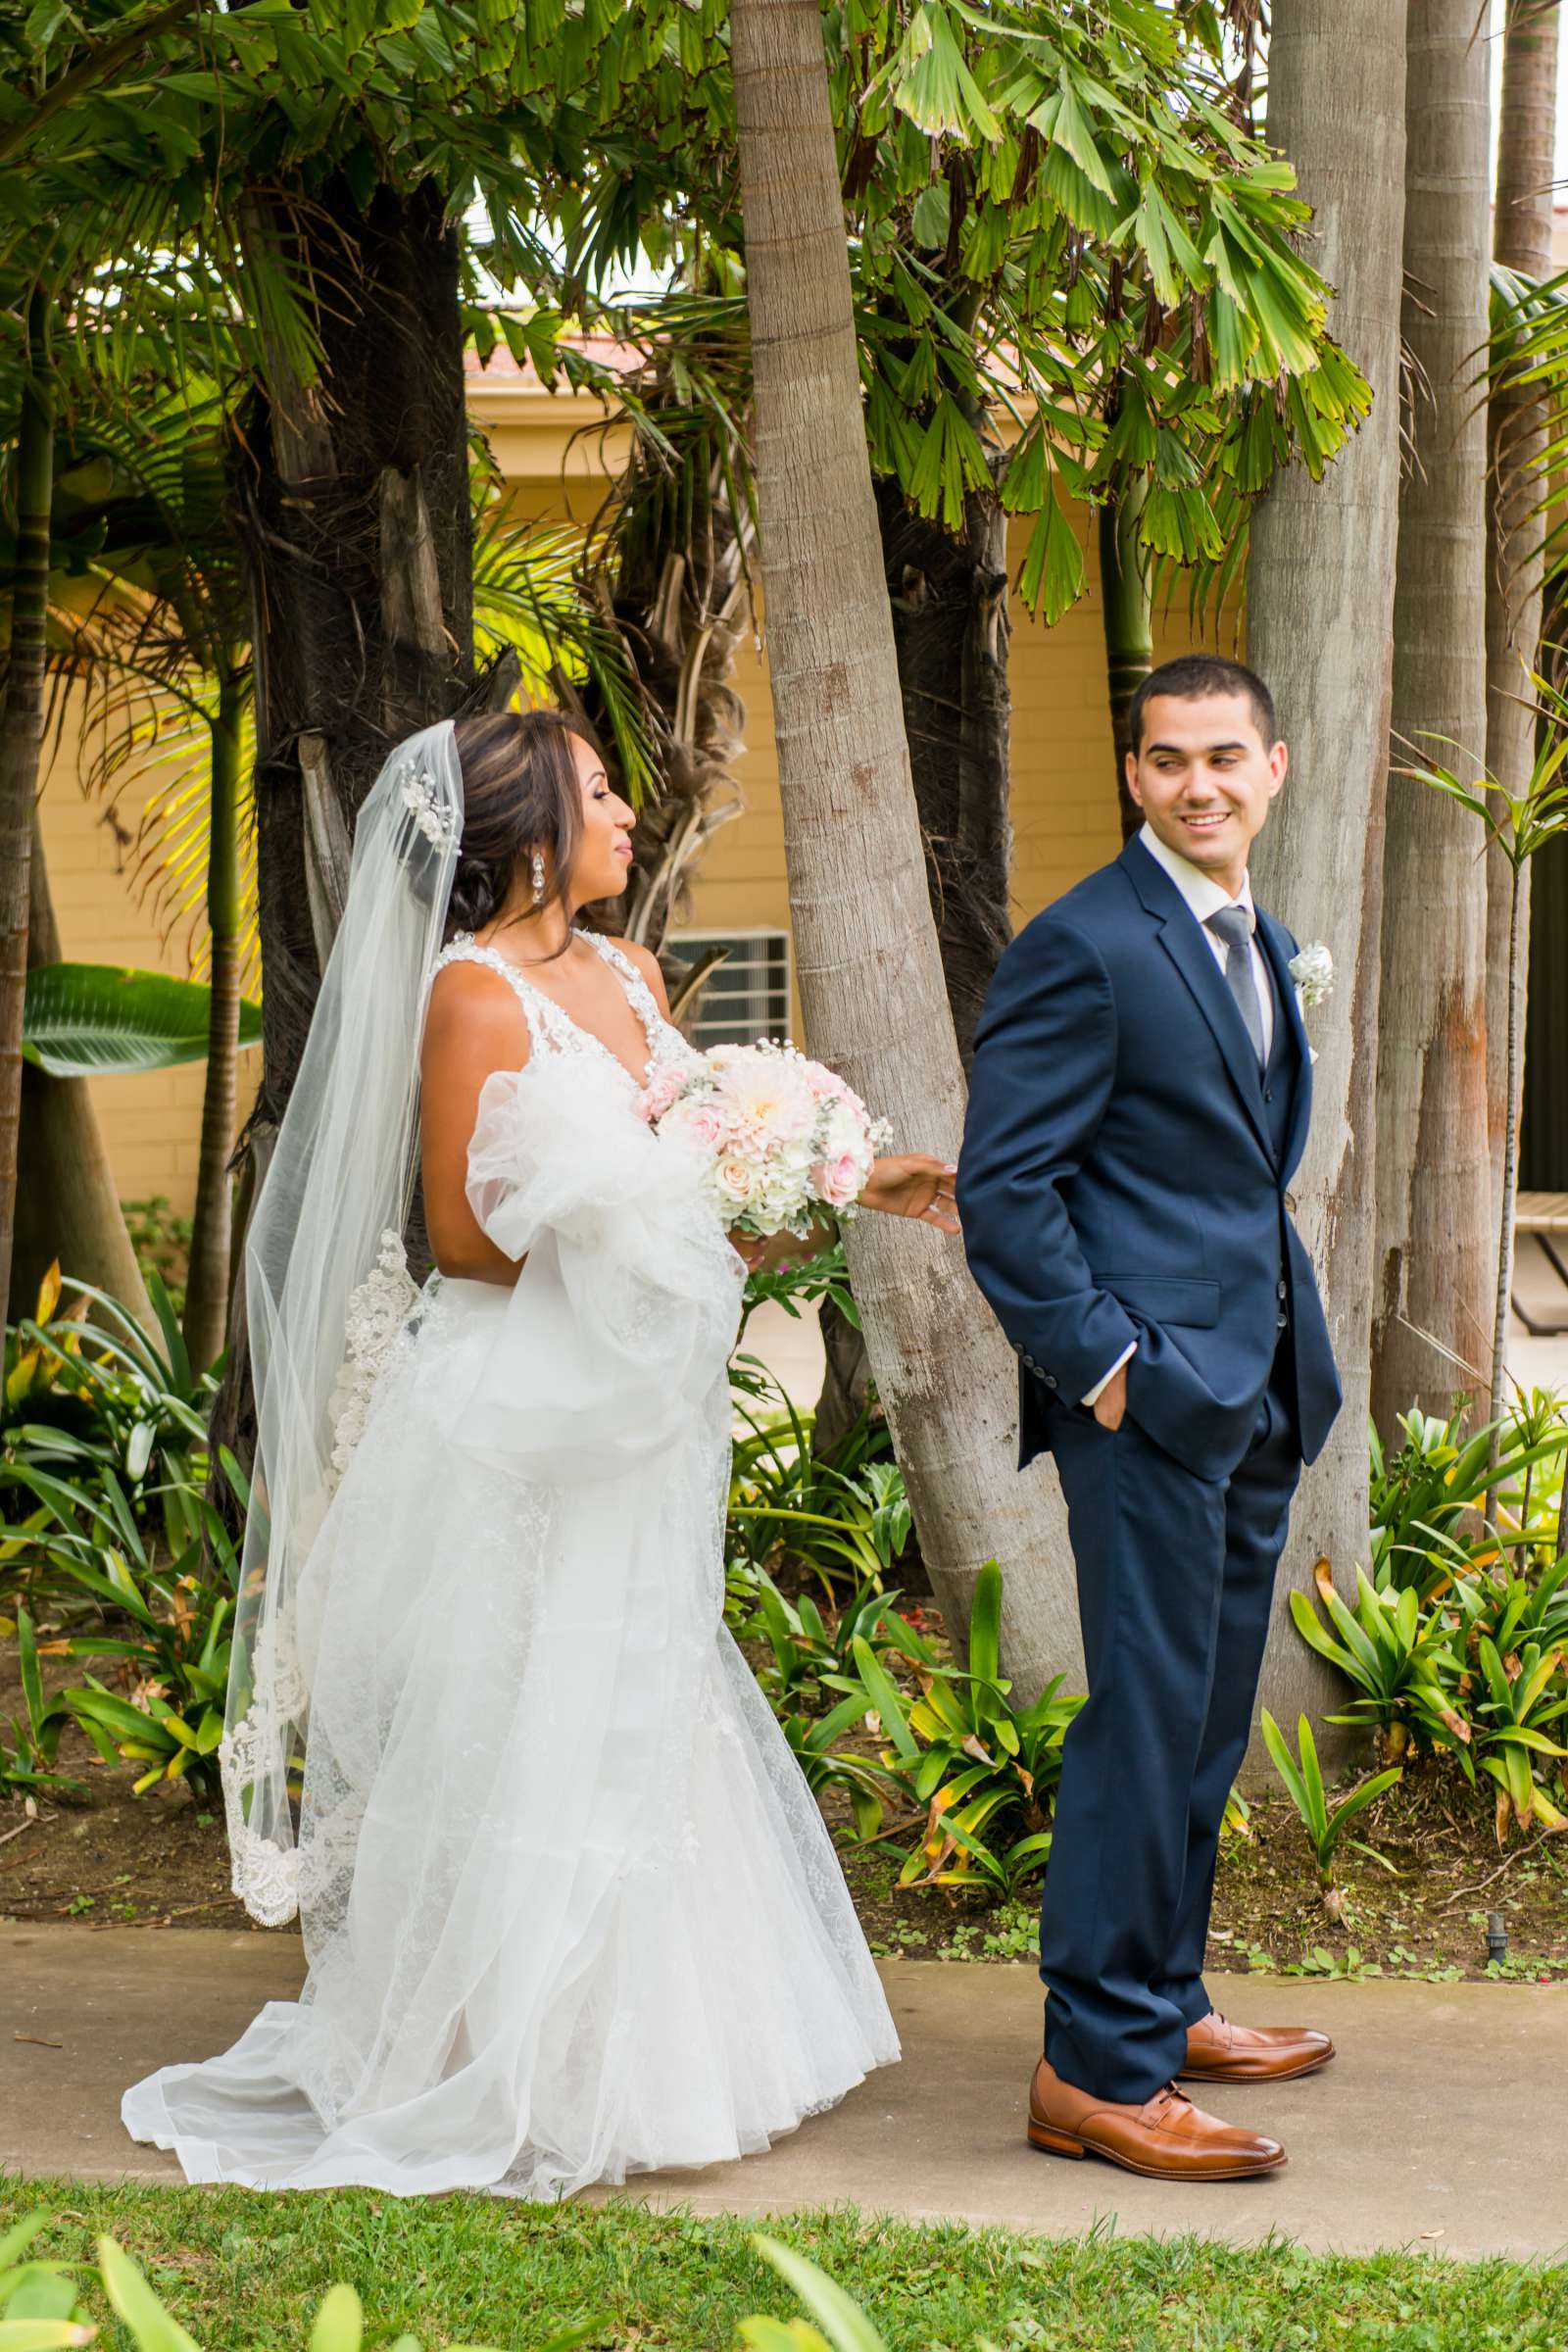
(602, 862)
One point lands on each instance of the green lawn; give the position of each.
(240, 2270)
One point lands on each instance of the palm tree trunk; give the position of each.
(948, 594)
(20, 738)
(871, 971)
(67, 1206)
(1515, 435)
(1433, 1292)
(356, 537)
(358, 542)
(1319, 624)
(1513, 1084)
(206, 1288)
(1128, 613)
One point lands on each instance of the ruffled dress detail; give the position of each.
(569, 1909)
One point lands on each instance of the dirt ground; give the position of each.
(110, 1858)
(1428, 1921)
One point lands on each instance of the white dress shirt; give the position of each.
(1205, 897)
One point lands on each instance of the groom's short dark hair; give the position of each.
(1193, 675)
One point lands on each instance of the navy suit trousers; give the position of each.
(1175, 1577)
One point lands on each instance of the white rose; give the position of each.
(733, 1182)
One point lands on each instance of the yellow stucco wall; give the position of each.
(1064, 801)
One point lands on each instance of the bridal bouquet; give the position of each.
(784, 1137)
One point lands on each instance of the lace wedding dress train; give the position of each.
(569, 1909)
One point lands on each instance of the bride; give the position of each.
(568, 1908)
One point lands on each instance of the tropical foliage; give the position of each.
(1458, 1640)
(1326, 1823)
(1057, 214)
(112, 1555)
(87, 1020)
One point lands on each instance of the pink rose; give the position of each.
(662, 1092)
(706, 1124)
(839, 1181)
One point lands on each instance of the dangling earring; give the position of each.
(538, 878)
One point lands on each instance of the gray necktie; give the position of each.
(1232, 926)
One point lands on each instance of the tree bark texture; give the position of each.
(948, 599)
(1432, 1294)
(1509, 1198)
(1128, 613)
(354, 523)
(21, 739)
(67, 1205)
(353, 508)
(205, 1319)
(948, 594)
(676, 577)
(869, 968)
(1320, 608)
(1515, 438)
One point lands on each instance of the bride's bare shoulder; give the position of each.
(475, 1013)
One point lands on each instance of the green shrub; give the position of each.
(1459, 1641)
(1399, 1657)
(1427, 1499)
(103, 1475)
(1326, 1827)
(983, 1771)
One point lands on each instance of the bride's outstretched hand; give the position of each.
(914, 1184)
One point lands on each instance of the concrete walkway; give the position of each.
(1437, 2127)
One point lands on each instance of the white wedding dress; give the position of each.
(569, 1909)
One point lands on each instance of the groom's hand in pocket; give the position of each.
(1111, 1402)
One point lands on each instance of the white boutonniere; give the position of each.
(1312, 971)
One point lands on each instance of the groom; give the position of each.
(1138, 1104)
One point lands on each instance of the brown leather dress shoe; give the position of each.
(1167, 2138)
(1218, 2051)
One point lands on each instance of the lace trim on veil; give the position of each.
(267, 1876)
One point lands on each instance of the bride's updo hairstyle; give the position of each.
(519, 794)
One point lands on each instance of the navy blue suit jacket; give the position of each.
(1124, 1169)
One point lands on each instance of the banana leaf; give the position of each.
(83, 1020)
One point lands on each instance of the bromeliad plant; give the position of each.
(785, 1500)
(26, 1768)
(1400, 1660)
(809, 1650)
(168, 1628)
(984, 1770)
(1523, 1695)
(1325, 1827)
(869, 1787)
(103, 1467)
(1428, 1503)
(103, 1436)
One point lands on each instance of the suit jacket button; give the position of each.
(1051, 1380)
(1283, 1320)
(1280, 1289)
